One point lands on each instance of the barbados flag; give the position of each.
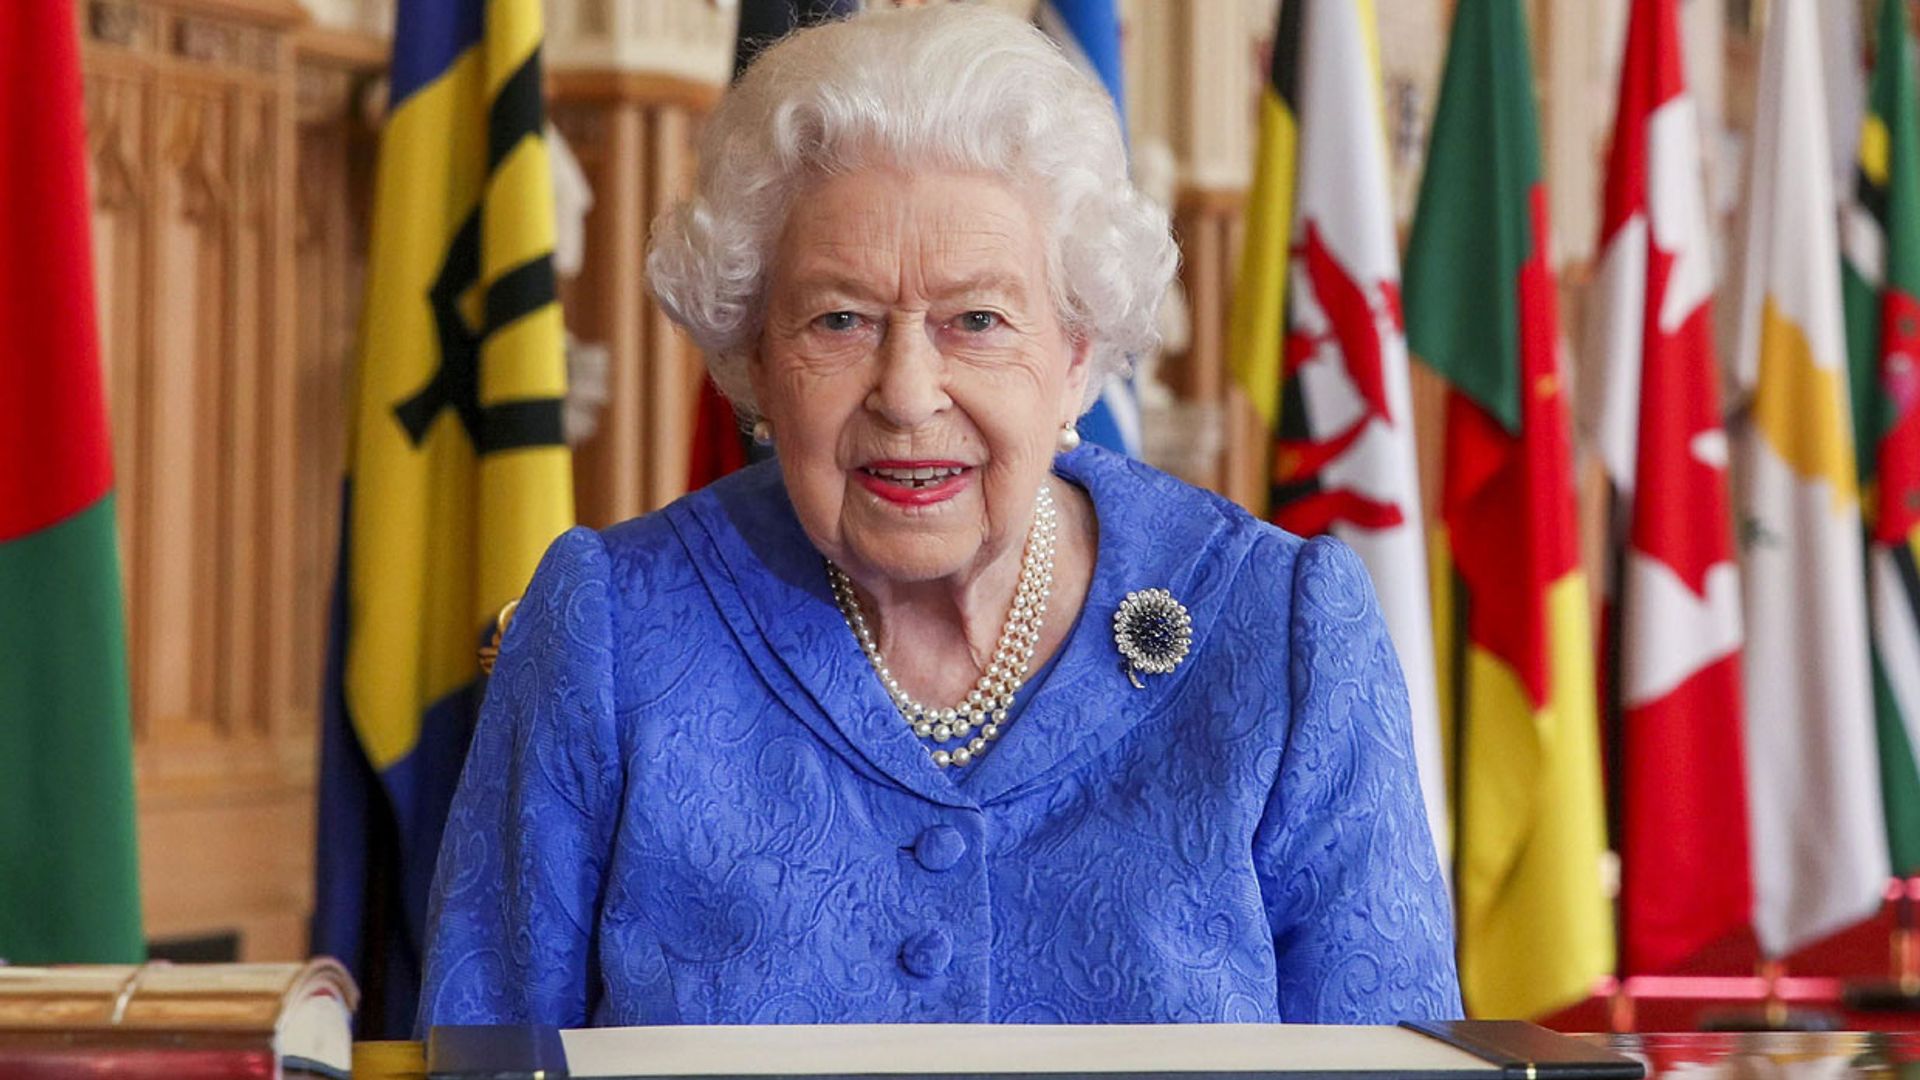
(458, 477)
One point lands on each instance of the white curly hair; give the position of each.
(953, 86)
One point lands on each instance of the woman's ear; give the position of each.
(1079, 370)
(756, 374)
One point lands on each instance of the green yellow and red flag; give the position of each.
(71, 889)
(1511, 615)
(1881, 282)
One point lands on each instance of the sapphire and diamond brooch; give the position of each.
(1153, 632)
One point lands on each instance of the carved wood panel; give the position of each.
(227, 433)
(332, 192)
(634, 139)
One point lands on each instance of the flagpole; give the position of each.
(1901, 992)
(1620, 1004)
(1774, 1013)
(1457, 661)
(1620, 1018)
(1906, 942)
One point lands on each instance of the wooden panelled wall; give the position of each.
(191, 114)
(232, 150)
(634, 138)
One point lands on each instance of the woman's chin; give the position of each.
(907, 551)
(908, 560)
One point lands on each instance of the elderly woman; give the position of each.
(938, 717)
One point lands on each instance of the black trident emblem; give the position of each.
(515, 115)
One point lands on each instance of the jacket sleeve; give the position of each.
(1362, 925)
(511, 920)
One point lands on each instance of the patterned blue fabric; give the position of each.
(690, 801)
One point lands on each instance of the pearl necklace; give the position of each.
(985, 706)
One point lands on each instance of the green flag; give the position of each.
(1881, 283)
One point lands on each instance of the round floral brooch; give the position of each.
(1153, 632)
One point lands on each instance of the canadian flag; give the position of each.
(1673, 698)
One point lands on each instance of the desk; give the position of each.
(389, 1061)
(1772, 1055)
(1833, 1055)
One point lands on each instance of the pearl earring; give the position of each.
(1069, 438)
(763, 432)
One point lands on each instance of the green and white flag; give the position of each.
(1882, 282)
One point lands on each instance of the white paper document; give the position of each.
(950, 1049)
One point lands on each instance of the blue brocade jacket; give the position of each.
(689, 800)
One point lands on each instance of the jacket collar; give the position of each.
(771, 585)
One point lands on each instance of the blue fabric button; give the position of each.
(927, 953)
(940, 847)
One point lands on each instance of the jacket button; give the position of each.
(927, 953)
(940, 847)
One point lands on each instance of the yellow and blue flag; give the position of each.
(457, 477)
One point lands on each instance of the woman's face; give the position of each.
(915, 370)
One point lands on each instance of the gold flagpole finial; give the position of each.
(490, 652)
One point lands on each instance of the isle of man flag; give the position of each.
(1317, 339)
(1882, 285)
(1674, 605)
(1819, 852)
(1511, 618)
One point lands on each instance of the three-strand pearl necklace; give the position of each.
(981, 717)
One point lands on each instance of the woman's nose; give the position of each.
(910, 390)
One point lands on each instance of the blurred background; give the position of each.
(232, 148)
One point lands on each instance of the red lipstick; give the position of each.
(915, 483)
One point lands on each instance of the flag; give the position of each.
(1843, 69)
(457, 477)
(719, 445)
(1316, 334)
(1818, 842)
(72, 883)
(1088, 31)
(1882, 293)
(1673, 609)
(1513, 641)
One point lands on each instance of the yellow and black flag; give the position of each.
(458, 476)
(1257, 326)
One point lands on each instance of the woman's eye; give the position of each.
(978, 322)
(838, 322)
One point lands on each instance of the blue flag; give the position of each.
(1089, 32)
